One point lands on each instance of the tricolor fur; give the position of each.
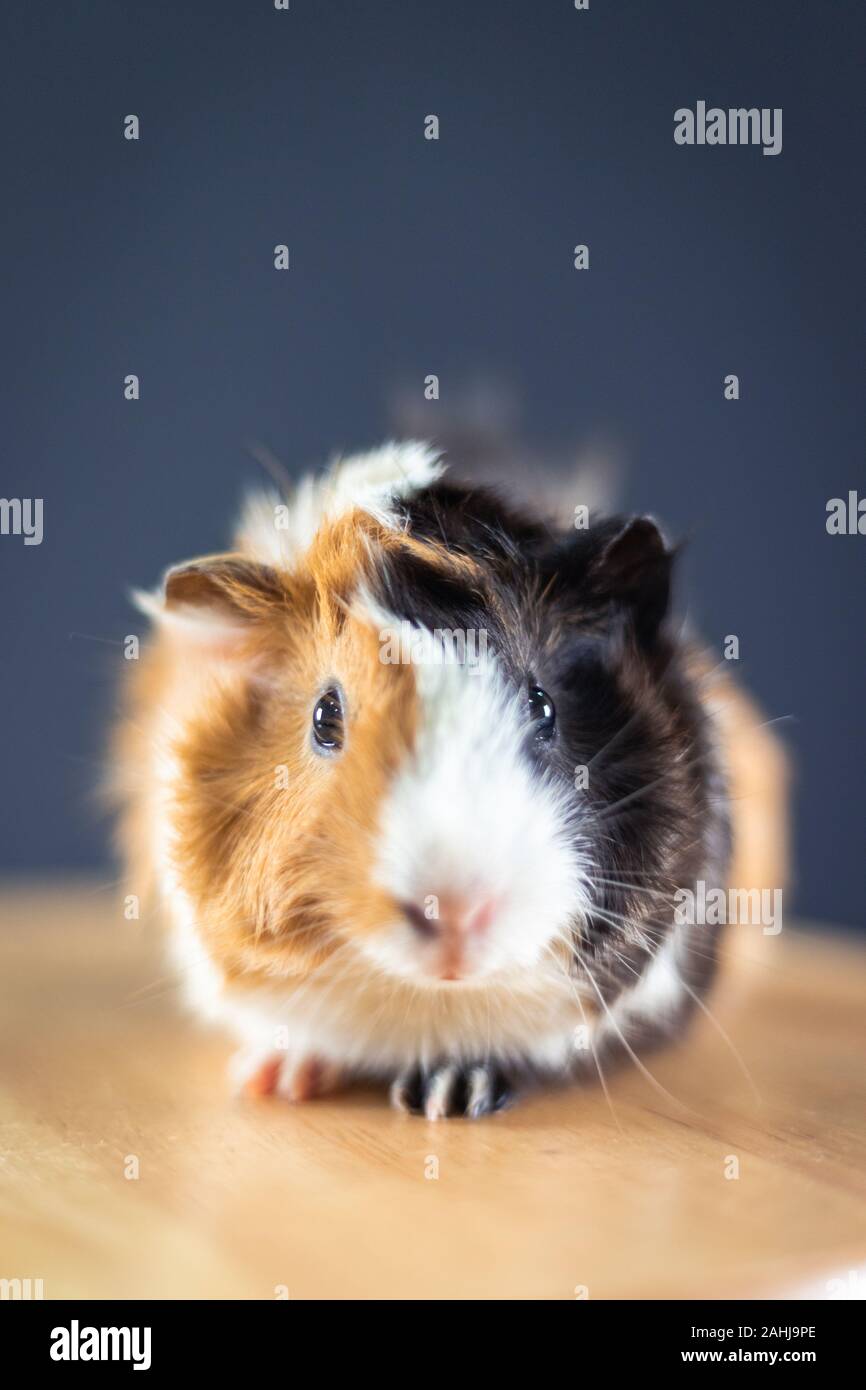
(437, 904)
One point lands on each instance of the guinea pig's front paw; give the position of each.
(289, 1075)
(452, 1088)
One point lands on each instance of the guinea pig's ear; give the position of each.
(217, 602)
(634, 569)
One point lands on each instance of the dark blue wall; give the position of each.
(410, 257)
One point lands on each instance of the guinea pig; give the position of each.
(416, 777)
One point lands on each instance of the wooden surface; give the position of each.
(331, 1199)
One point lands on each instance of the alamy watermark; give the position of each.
(846, 516)
(736, 126)
(405, 644)
(22, 516)
(710, 907)
(21, 1290)
(77, 1343)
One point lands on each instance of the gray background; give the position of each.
(411, 257)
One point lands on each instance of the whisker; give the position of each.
(589, 1033)
(644, 1070)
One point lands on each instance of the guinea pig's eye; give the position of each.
(328, 721)
(542, 711)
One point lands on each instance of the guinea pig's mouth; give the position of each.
(449, 943)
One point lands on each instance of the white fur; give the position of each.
(360, 1020)
(200, 980)
(657, 995)
(468, 817)
(369, 481)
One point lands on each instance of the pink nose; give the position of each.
(449, 915)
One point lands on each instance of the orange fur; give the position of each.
(263, 821)
(758, 778)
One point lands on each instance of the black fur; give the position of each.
(586, 616)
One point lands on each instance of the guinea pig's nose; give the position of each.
(461, 916)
